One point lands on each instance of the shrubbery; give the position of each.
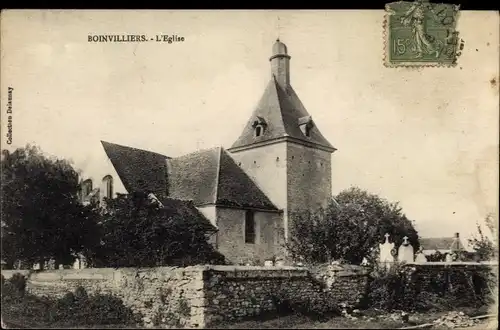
(385, 290)
(399, 289)
(74, 309)
(352, 223)
(99, 309)
(14, 288)
(137, 231)
(18, 282)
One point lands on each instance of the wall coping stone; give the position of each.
(457, 263)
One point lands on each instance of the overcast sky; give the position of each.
(427, 138)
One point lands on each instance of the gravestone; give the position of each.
(405, 253)
(386, 254)
(420, 256)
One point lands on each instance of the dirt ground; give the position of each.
(493, 324)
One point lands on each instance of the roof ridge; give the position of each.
(197, 152)
(217, 176)
(134, 148)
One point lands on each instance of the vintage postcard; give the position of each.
(196, 169)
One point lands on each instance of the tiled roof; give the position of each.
(194, 176)
(440, 243)
(212, 177)
(139, 170)
(204, 177)
(187, 210)
(282, 111)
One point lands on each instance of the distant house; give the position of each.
(443, 245)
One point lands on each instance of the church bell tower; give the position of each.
(282, 148)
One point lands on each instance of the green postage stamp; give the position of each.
(420, 33)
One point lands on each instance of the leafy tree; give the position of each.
(139, 232)
(481, 243)
(349, 228)
(42, 217)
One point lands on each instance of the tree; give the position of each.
(139, 232)
(349, 228)
(484, 247)
(42, 217)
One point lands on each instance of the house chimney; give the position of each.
(457, 235)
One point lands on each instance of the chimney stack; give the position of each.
(457, 235)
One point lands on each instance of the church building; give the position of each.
(280, 164)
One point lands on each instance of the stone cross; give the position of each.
(405, 252)
(385, 255)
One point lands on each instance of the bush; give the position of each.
(14, 288)
(81, 293)
(18, 282)
(74, 309)
(386, 288)
(81, 309)
(348, 228)
(431, 302)
(138, 232)
(400, 288)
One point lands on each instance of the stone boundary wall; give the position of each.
(199, 296)
(193, 296)
(163, 295)
(233, 293)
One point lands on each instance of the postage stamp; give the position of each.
(420, 33)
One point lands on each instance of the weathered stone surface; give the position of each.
(193, 296)
(155, 292)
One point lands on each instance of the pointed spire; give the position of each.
(280, 111)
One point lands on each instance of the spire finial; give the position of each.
(279, 28)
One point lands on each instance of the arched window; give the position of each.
(308, 130)
(107, 183)
(258, 130)
(249, 227)
(86, 187)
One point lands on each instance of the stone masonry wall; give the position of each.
(233, 293)
(231, 236)
(204, 295)
(165, 295)
(309, 178)
(194, 296)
